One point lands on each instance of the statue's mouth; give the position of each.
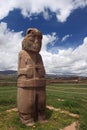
(36, 49)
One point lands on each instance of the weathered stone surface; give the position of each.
(31, 83)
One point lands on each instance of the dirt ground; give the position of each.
(71, 127)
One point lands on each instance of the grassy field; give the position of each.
(66, 97)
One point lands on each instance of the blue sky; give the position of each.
(64, 27)
(75, 26)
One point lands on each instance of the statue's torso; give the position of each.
(31, 71)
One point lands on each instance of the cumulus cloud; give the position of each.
(10, 44)
(64, 61)
(67, 61)
(62, 9)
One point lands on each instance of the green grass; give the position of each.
(73, 99)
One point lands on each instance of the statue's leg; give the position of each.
(41, 104)
(26, 105)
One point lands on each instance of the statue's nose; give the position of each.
(36, 40)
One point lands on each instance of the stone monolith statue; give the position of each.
(31, 83)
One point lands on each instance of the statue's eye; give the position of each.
(31, 39)
(39, 39)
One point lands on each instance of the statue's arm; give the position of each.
(40, 66)
(24, 68)
(21, 65)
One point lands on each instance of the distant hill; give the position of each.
(51, 76)
(8, 72)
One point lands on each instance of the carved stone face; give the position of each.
(32, 41)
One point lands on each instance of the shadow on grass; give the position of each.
(48, 113)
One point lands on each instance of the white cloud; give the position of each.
(5, 8)
(80, 3)
(65, 61)
(10, 44)
(62, 9)
(48, 39)
(65, 37)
